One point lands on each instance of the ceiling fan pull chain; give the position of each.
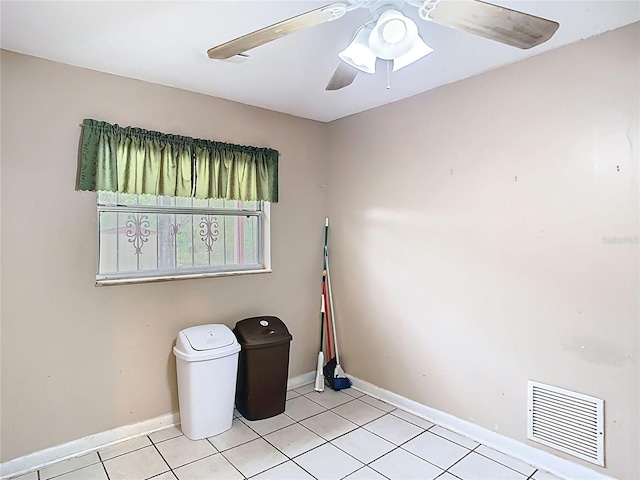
(389, 74)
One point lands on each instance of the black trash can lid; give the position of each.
(261, 332)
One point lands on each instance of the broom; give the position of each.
(333, 372)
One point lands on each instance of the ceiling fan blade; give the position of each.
(501, 24)
(342, 77)
(277, 30)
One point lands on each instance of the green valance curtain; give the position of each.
(133, 160)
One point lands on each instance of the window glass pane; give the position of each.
(113, 198)
(200, 202)
(127, 199)
(184, 240)
(108, 242)
(217, 251)
(148, 256)
(108, 198)
(208, 240)
(229, 241)
(126, 257)
(200, 235)
(166, 240)
(235, 204)
(216, 203)
(166, 201)
(134, 235)
(240, 204)
(147, 199)
(183, 202)
(133, 241)
(251, 239)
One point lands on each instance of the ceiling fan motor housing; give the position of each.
(378, 7)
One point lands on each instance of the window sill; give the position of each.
(104, 282)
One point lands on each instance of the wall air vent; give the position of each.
(567, 421)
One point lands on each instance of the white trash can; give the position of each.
(207, 364)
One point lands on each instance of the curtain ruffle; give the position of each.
(133, 160)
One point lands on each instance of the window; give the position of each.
(149, 237)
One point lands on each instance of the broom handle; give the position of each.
(321, 323)
(333, 320)
(324, 284)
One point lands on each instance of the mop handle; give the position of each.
(321, 323)
(326, 314)
(333, 320)
(324, 283)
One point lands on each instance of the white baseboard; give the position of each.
(295, 382)
(75, 448)
(557, 466)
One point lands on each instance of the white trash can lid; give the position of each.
(205, 342)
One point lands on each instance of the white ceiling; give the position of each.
(166, 42)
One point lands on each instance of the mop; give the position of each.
(333, 372)
(319, 386)
(324, 317)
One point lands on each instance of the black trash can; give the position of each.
(263, 367)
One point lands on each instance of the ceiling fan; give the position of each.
(392, 36)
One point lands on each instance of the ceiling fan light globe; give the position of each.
(358, 54)
(419, 50)
(364, 61)
(385, 49)
(394, 31)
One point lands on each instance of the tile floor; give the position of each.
(330, 435)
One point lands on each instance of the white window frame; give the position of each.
(264, 246)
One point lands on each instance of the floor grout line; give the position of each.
(232, 464)
(311, 474)
(458, 461)
(425, 460)
(377, 471)
(365, 464)
(366, 423)
(104, 467)
(74, 469)
(380, 436)
(349, 401)
(325, 442)
(452, 441)
(162, 456)
(448, 472)
(500, 463)
(188, 463)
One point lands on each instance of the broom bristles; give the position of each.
(336, 383)
(340, 383)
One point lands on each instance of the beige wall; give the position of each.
(77, 359)
(455, 283)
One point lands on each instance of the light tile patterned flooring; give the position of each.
(330, 435)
